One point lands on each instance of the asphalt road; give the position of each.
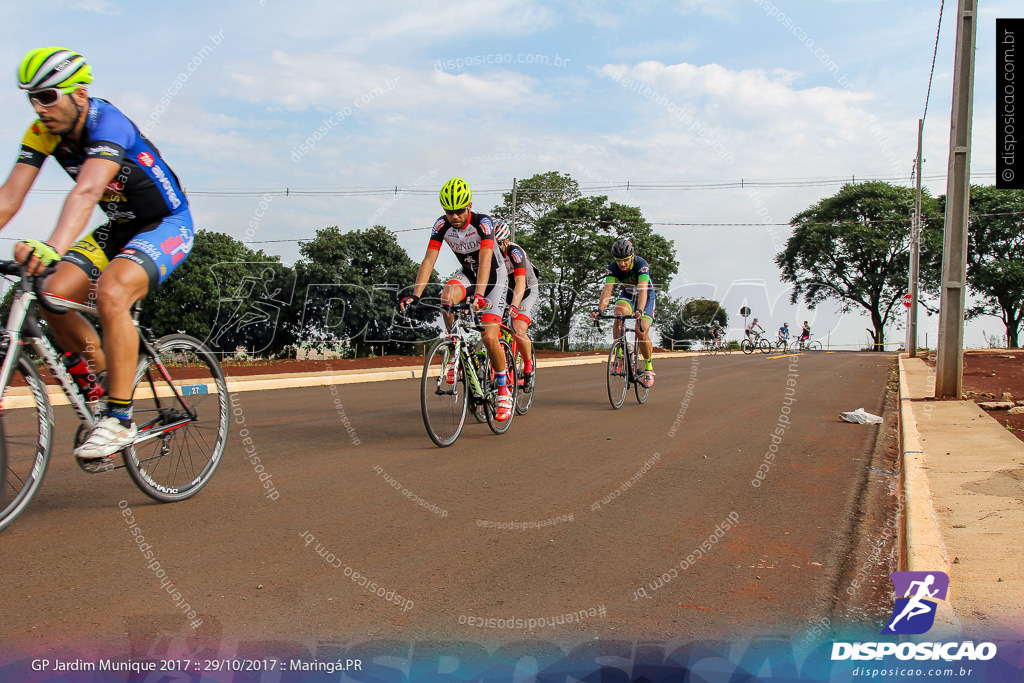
(581, 522)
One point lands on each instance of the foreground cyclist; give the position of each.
(471, 237)
(523, 295)
(148, 232)
(634, 277)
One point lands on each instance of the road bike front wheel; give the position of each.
(765, 346)
(524, 399)
(491, 406)
(26, 438)
(182, 408)
(618, 381)
(443, 393)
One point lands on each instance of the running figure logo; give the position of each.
(917, 596)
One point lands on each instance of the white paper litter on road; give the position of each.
(860, 417)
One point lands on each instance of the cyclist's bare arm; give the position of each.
(520, 289)
(92, 180)
(423, 274)
(14, 190)
(483, 273)
(641, 298)
(606, 297)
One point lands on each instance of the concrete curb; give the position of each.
(925, 550)
(19, 397)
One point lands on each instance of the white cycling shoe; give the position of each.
(107, 438)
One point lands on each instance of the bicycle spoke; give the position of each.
(184, 414)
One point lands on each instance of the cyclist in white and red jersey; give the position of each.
(471, 237)
(147, 235)
(523, 295)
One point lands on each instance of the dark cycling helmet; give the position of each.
(501, 232)
(622, 248)
(455, 195)
(53, 67)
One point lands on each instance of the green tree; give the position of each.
(853, 248)
(571, 244)
(537, 196)
(679, 320)
(219, 294)
(995, 256)
(350, 284)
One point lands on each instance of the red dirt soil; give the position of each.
(988, 375)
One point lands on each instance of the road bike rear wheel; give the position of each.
(642, 392)
(491, 406)
(180, 442)
(443, 402)
(26, 438)
(618, 371)
(747, 346)
(814, 346)
(524, 399)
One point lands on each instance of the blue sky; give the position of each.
(347, 97)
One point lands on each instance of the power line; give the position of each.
(931, 75)
(628, 186)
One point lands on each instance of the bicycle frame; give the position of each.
(22, 325)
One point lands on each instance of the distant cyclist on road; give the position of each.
(716, 332)
(523, 295)
(784, 334)
(147, 235)
(753, 328)
(805, 334)
(471, 236)
(636, 298)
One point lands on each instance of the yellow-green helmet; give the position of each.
(455, 194)
(53, 67)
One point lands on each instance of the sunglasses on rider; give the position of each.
(47, 97)
(456, 212)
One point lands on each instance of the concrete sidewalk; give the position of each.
(963, 481)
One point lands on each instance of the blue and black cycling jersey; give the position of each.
(148, 217)
(145, 189)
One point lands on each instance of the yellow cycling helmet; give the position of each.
(53, 67)
(455, 195)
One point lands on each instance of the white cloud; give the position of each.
(98, 6)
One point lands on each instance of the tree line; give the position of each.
(852, 248)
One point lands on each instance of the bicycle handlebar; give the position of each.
(36, 283)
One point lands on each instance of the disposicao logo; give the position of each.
(917, 596)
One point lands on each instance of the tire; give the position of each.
(26, 438)
(491, 406)
(814, 346)
(747, 346)
(641, 391)
(618, 382)
(524, 399)
(765, 346)
(443, 405)
(176, 462)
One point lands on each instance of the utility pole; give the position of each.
(949, 365)
(512, 228)
(915, 251)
